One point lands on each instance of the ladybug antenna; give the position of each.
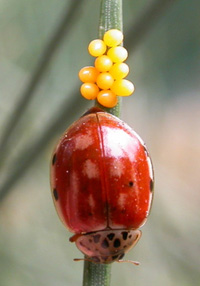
(83, 259)
(78, 259)
(129, 261)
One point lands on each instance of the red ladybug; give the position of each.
(102, 185)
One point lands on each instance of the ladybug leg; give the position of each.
(83, 259)
(119, 261)
(129, 261)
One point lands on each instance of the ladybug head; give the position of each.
(106, 246)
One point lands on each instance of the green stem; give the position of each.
(110, 18)
(96, 274)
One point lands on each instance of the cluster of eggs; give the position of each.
(106, 79)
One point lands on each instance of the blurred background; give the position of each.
(43, 46)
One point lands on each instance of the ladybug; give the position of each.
(102, 185)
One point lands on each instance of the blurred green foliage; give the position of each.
(34, 246)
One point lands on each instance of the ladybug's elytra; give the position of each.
(102, 185)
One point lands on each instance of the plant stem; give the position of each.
(110, 18)
(96, 274)
(61, 32)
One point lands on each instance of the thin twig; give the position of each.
(57, 37)
(67, 112)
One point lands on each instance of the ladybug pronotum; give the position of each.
(102, 185)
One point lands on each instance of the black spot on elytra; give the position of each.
(105, 243)
(114, 257)
(96, 238)
(110, 236)
(117, 243)
(130, 235)
(124, 235)
(151, 185)
(121, 256)
(54, 159)
(131, 183)
(55, 194)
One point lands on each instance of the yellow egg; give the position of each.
(117, 54)
(119, 70)
(107, 98)
(113, 38)
(89, 90)
(122, 87)
(105, 80)
(97, 48)
(88, 74)
(103, 63)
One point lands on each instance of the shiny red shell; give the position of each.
(101, 175)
